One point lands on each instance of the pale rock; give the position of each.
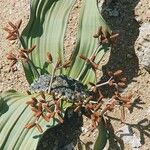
(143, 46)
(128, 136)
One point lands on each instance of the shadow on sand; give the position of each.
(120, 17)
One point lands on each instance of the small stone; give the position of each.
(61, 86)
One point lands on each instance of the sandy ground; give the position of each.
(11, 11)
(127, 23)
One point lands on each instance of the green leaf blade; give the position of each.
(90, 20)
(13, 135)
(46, 30)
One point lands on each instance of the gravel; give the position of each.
(62, 86)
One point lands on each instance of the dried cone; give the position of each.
(95, 117)
(39, 128)
(90, 106)
(93, 58)
(123, 79)
(40, 106)
(34, 110)
(83, 57)
(12, 25)
(22, 55)
(49, 57)
(31, 49)
(7, 30)
(31, 103)
(110, 73)
(18, 23)
(28, 92)
(46, 118)
(11, 56)
(30, 125)
(96, 35)
(128, 105)
(94, 65)
(11, 37)
(38, 114)
(98, 107)
(127, 98)
(13, 63)
(50, 115)
(129, 95)
(122, 84)
(118, 73)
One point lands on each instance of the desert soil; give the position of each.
(123, 16)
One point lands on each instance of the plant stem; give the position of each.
(85, 66)
(105, 83)
(51, 81)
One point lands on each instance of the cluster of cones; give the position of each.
(50, 107)
(45, 106)
(93, 104)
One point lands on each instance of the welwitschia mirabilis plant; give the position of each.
(44, 37)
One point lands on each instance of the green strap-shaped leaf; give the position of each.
(14, 115)
(90, 20)
(46, 29)
(102, 136)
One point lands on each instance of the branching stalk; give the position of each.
(51, 81)
(102, 84)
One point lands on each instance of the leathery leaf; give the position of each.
(102, 136)
(46, 29)
(90, 21)
(14, 115)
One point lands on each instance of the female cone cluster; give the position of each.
(54, 89)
